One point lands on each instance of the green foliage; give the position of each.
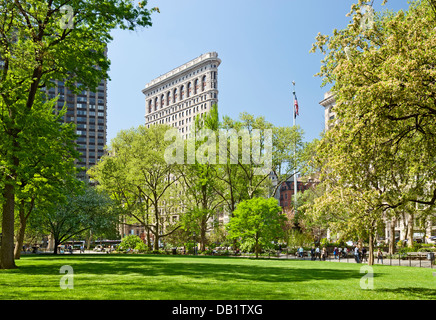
(259, 220)
(132, 242)
(378, 158)
(39, 44)
(139, 179)
(297, 239)
(82, 210)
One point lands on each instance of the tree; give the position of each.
(87, 210)
(49, 166)
(41, 41)
(200, 182)
(243, 180)
(140, 179)
(259, 220)
(382, 146)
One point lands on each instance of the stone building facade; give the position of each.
(181, 94)
(329, 115)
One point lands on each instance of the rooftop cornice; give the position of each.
(210, 56)
(329, 99)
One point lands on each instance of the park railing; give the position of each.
(410, 259)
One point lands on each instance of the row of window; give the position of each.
(177, 115)
(182, 79)
(85, 119)
(179, 124)
(82, 126)
(84, 113)
(175, 94)
(90, 106)
(90, 133)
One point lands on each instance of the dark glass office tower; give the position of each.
(88, 111)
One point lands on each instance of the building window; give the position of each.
(204, 83)
(195, 86)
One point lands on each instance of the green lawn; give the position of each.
(125, 277)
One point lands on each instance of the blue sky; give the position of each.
(263, 45)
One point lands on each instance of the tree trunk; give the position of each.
(88, 241)
(392, 236)
(371, 248)
(410, 231)
(148, 239)
(405, 228)
(148, 230)
(23, 222)
(56, 244)
(156, 230)
(203, 233)
(7, 260)
(256, 248)
(156, 243)
(21, 231)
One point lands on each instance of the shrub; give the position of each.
(131, 242)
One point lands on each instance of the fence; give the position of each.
(415, 259)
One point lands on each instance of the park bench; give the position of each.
(417, 255)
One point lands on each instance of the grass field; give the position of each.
(149, 277)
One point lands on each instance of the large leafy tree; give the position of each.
(382, 146)
(259, 220)
(48, 167)
(82, 210)
(243, 180)
(200, 182)
(138, 177)
(41, 41)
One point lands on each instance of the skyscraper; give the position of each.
(88, 110)
(179, 95)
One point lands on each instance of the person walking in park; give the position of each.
(364, 254)
(356, 254)
(324, 253)
(312, 254)
(345, 252)
(335, 252)
(379, 255)
(317, 253)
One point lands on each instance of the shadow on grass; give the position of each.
(194, 267)
(412, 292)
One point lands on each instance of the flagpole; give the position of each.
(295, 154)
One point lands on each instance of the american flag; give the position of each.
(295, 106)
